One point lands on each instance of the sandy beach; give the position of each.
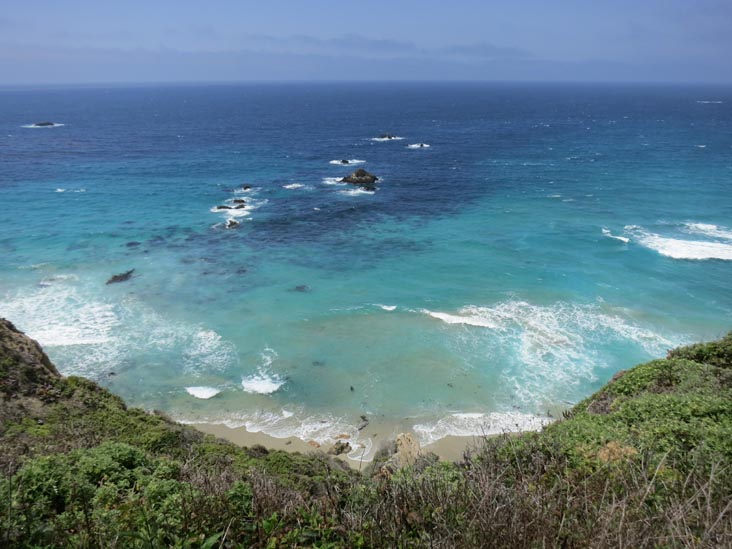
(449, 448)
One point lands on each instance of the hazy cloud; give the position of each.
(486, 50)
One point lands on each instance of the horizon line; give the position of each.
(191, 83)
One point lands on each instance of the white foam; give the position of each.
(207, 351)
(203, 392)
(478, 424)
(548, 349)
(708, 229)
(57, 315)
(608, 234)
(351, 162)
(84, 334)
(242, 190)
(263, 382)
(710, 102)
(33, 126)
(392, 138)
(293, 186)
(323, 429)
(248, 207)
(676, 248)
(62, 190)
(386, 307)
(701, 146)
(467, 318)
(333, 181)
(355, 192)
(418, 146)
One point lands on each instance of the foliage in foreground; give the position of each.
(645, 462)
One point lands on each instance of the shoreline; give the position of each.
(449, 448)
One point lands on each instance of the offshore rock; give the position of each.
(361, 177)
(122, 277)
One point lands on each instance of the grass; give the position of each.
(645, 462)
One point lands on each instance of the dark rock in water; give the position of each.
(43, 124)
(340, 448)
(364, 423)
(361, 177)
(246, 188)
(240, 206)
(304, 288)
(241, 270)
(387, 136)
(352, 389)
(239, 201)
(133, 244)
(231, 224)
(123, 277)
(345, 162)
(318, 363)
(222, 207)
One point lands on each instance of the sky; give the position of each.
(115, 41)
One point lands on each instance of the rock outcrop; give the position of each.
(27, 376)
(340, 447)
(363, 178)
(122, 277)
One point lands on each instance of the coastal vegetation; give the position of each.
(644, 462)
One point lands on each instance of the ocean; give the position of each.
(548, 236)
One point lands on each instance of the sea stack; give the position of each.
(361, 177)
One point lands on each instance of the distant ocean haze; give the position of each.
(548, 237)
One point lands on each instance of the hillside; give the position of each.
(645, 462)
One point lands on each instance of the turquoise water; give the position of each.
(548, 237)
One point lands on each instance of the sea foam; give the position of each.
(708, 229)
(393, 138)
(320, 428)
(478, 424)
(263, 382)
(548, 348)
(33, 126)
(84, 334)
(350, 162)
(333, 181)
(677, 248)
(203, 392)
(355, 192)
(608, 234)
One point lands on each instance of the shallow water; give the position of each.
(547, 237)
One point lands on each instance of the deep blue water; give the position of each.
(548, 236)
